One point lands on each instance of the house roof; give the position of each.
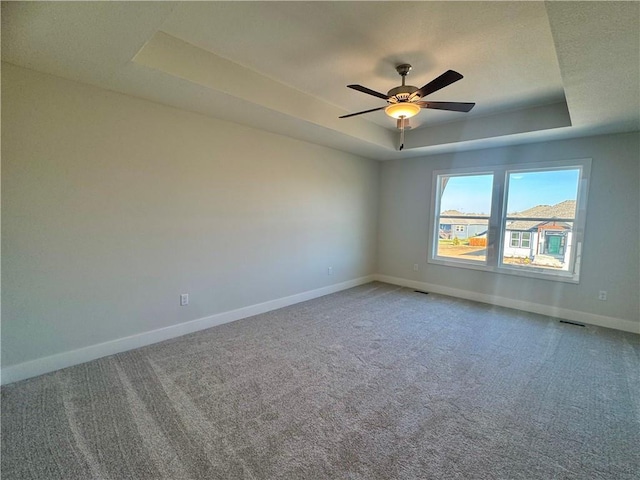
(283, 67)
(565, 210)
(469, 220)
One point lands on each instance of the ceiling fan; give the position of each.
(405, 101)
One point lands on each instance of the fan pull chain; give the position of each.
(402, 122)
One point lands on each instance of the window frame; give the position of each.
(496, 233)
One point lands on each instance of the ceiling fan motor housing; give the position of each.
(403, 92)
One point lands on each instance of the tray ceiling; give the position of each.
(536, 70)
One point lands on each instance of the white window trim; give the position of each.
(497, 220)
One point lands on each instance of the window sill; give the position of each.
(531, 272)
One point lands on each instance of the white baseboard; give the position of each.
(51, 363)
(549, 310)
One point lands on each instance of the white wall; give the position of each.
(113, 206)
(610, 259)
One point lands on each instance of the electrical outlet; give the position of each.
(602, 295)
(184, 299)
(330, 271)
(415, 267)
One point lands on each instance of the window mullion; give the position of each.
(494, 235)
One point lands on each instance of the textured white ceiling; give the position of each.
(535, 70)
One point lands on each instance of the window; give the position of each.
(456, 192)
(515, 239)
(520, 239)
(522, 219)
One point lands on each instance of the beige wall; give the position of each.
(610, 257)
(113, 206)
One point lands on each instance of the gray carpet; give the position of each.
(376, 382)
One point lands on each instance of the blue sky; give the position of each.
(472, 194)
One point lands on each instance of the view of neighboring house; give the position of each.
(540, 236)
(461, 228)
(544, 236)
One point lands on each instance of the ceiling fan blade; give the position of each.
(362, 89)
(360, 113)
(447, 78)
(452, 106)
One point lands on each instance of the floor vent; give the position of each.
(572, 323)
(420, 291)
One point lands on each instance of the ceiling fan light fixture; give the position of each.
(402, 110)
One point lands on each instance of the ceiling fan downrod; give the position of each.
(403, 70)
